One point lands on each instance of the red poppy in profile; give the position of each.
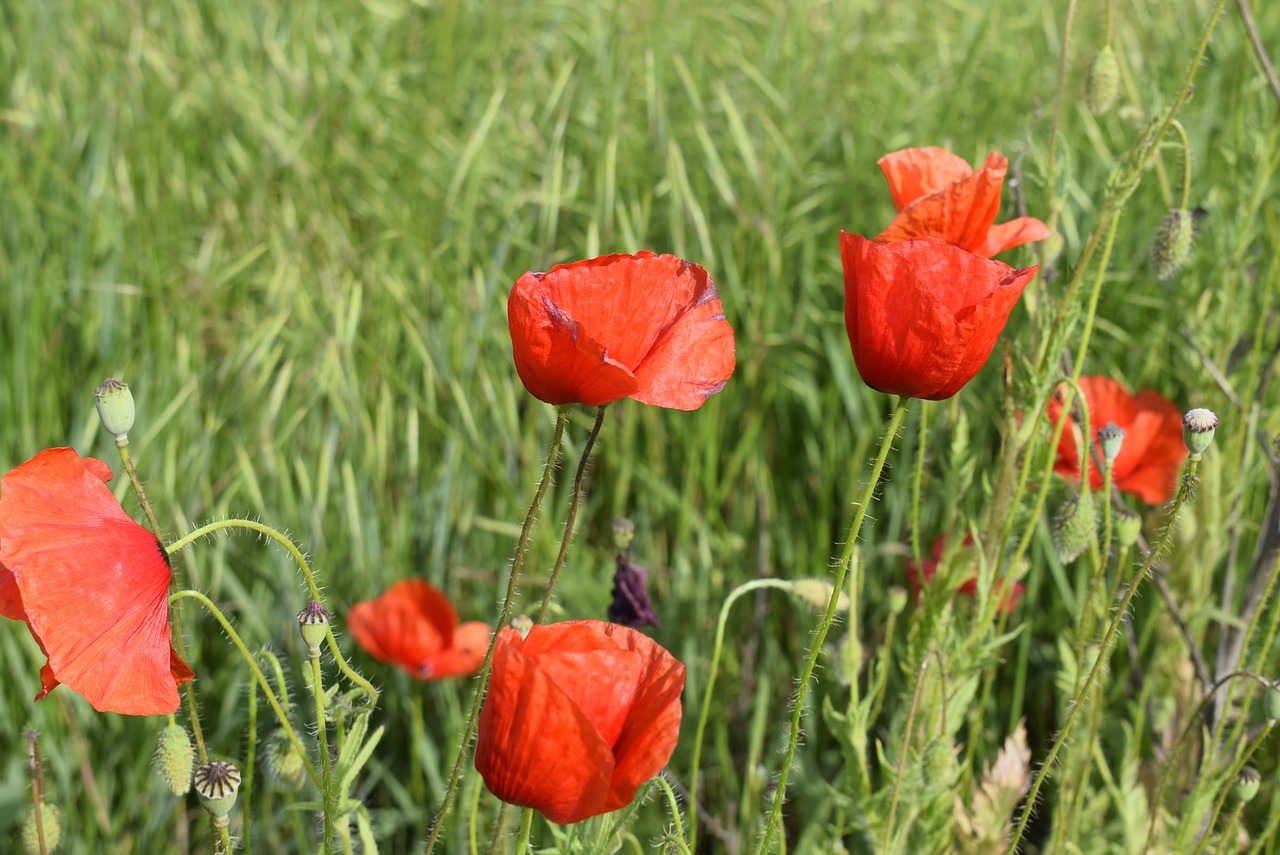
(579, 715)
(643, 326)
(917, 579)
(414, 625)
(938, 195)
(923, 315)
(90, 583)
(1152, 452)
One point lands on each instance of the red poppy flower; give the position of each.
(1152, 453)
(938, 195)
(643, 326)
(414, 625)
(579, 715)
(917, 579)
(90, 583)
(923, 315)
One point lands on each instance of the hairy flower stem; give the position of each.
(573, 513)
(482, 679)
(1104, 651)
(842, 568)
(500, 831)
(322, 737)
(904, 751)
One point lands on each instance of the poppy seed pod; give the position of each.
(115, 407)
(1246, 785)
(175, 758)
(1172, 243)
(1110, 441)
(1128, 525)
(313, 624)
(1198, 427)
(1102, 81)
(216, 783)
(578, 715)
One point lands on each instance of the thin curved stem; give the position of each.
(904, 750)
(322, 737)
(253, 525)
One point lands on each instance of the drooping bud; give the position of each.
(1102, 81)
(47, 829)
(1110, 440)
(1271, 702)
(522, 624)
(1246, 784)
(284, 763)
(817, 593)
(115, 407)
(1127, 525)
(174, 758)
(1074, 527)
(216, 783)
(1198, 426)
(313, 623)
(1172, 243)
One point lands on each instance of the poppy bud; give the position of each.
(1246, 784)
(47, 832)
(1128, 525)
(1102, 82)
(817, 593)
(1198, 426)
(174, 758)
(1172, 243)
(284, 763)
(115, 407)
(313, 623)
(847, 661)
(1110, 439)
(1271, 702)
(1074, 527)
(897, 599)
(216, 783)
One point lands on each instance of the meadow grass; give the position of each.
(292, 227)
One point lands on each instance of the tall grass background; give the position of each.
(292, 227)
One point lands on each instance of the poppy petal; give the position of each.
(916, 172)
(961, 214)
(1013, 233)
(535, 747)
(10, 596)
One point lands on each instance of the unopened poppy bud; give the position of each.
(48, 831)
(817, 593)
(624, 531)
(1172, 243)
(216, 783)
(1271, 702)
(847, 661)
(1198, 426)
(1246, 784)
(897, 599)
(522, 624)
(1110, 439)
(115, 407)
(1074, 527)
(174, 758)
(313, 623)
(1128, 525)
(1102, 82)
(284, 763)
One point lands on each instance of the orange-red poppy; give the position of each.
(579, 715)
(923, 315)
(90, 583)
(1152, 452)
(918, 577)
(414, 625)
(643, 326)
(938, 195)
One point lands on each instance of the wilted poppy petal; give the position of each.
(916, 172)
(413, 625)
(94, 584)
(535, 747)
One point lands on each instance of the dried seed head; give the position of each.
(1172, 243)
(175, 758)
(48, 830)
(1102, 81)
(1074, 527)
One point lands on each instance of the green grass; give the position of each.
(291, 227)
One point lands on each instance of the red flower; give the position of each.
(938, 195)
(1152, 453)
(641, 326)
(414, 625)
(1008, 599)
(90, 583)
(579, 715)
(923, 315)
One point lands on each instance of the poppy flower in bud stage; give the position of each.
(579, 714)
(917, 577)
(414, 625)
(641, 326)
(923, 315)
(938, 195)
(90, 583)
(1152, 452)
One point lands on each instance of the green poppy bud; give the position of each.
(47, 830)
(313, 623)
(1246, 784)
(847, 661)
(897, 599)
(284, 763)
(1111, 438)
(1128, 525)
(1198, 426)
(174, 758)
(115, 407)
(1074, 527)
(817, 593)
(1102, 81)
(216, 783)
(1172, 243)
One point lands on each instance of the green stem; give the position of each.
(499, 828)
(246, 801)
(1228, 781)
(1060, 87)
(673, 805)
(253, 525)
(1185, 198)
(904, 752)
(573, 512)
(482, 679)
(526, 828)
(846, 559)
(917, 480)
(322, 736)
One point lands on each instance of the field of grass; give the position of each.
(292, 229)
